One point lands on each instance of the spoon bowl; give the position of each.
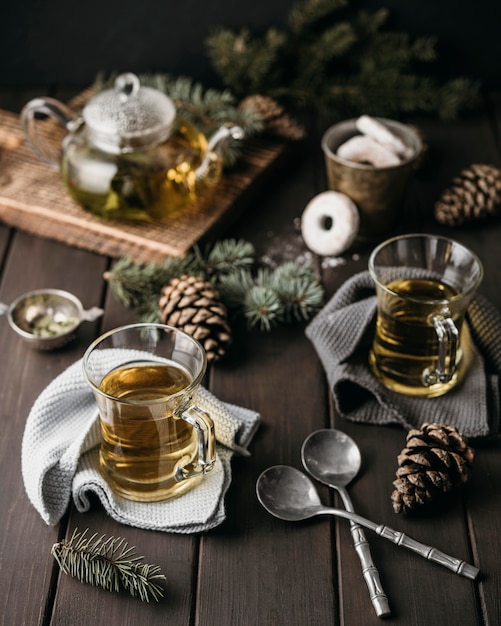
(288, 494)
(332, 457)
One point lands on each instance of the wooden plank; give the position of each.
(276, 573)
(484, 489)
(27, 565)
(272, 572)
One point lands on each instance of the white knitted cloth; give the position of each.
(60, 460)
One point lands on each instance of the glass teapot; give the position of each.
(129, 155)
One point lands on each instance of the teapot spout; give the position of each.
(216, 146)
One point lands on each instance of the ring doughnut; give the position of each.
(329, 223)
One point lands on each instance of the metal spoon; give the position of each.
(288, 494)
(334, 459)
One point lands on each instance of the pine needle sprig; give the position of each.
(134, 283)
(335, 59)
(291, 292)
(234, 287)
(298, 290)
(262, 307)
(109, 563)
(305, 14)
(230, 255)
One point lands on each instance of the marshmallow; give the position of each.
(363, 149)
(383, 135)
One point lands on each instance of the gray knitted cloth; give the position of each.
(60, 460)
(342, 334)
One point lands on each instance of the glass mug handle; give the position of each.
(206, 456)
(448, 339)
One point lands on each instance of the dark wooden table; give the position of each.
(255, 570)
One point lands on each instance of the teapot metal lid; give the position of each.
(129, 117)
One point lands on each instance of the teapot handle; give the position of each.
(28, 118)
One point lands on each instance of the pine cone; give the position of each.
(193, 305)
(435, 460)
(474, 194)
(274, 117)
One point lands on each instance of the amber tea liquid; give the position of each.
(142, 443)
(139, 186)
(406, 343)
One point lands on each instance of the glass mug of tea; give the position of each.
(424, 284)
(156, 443)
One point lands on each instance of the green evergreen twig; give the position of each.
(289, 293)
(108, 563)
(340, 61)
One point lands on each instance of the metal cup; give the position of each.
(378, 192)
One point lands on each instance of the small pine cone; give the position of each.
(193, 305)
(473, 195)
(436, 459)
(274, 117)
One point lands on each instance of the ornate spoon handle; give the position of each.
(428, 552)
(369, 570)
(401, 539)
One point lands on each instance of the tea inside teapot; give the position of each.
(146, 185)
(129, 155)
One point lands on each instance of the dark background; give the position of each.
(44, 42)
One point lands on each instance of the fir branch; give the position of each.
(262, 307)
(246, 63)
(234, 287)
(334, 63)
(301, 299)
(368, 24)
(289, 293)
(134, 283)
(298, 290)
(108, 563)
(230, 255)
(305, 14)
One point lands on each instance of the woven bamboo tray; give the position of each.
(33, 198)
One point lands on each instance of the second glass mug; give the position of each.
(424, 284)
(156, 443)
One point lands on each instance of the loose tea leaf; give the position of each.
(50, 326)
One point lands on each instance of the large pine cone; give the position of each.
(473, 195)
(436, 459)
(193, 305)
